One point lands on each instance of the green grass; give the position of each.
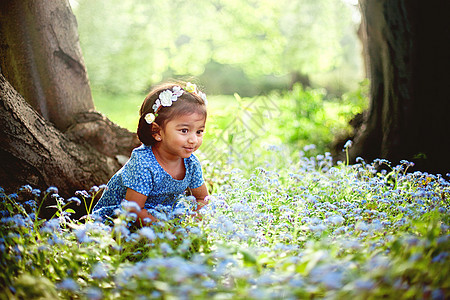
(121, 109)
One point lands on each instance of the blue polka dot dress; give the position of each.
(144, 174)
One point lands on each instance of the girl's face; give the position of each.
(182, 135)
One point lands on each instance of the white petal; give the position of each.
(149, 118)
(166, 98)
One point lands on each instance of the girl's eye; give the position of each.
(184, 130)
(200, 132)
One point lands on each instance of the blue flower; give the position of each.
(348, 144)
(19, 221)
(296, 282)
(209, 284)
(148, 233)
(93, 293)
(309, 147)
(440, 257)
(51, 225)
(438, 294)
(81, 235)
(94, 189)
(336, 219)
(36, 192)
(68, 284)
(130, 206)
(13, 196)
(26, 188)
(100, 271)
(332, 280)
(364, 284)
(123, 230)
(54, 239)
(75, 200)
(52, 190)
(165, 248)
(82, 193)
(30, 203)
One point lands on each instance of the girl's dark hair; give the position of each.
(187, 103)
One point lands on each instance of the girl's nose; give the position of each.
(192, 138)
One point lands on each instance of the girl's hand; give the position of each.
(200, 193)
(201, 203)
(142, 215)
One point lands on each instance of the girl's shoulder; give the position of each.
(142, 149)
(143, 155)
(193, 164)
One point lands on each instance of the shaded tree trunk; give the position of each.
(406, 49)
(41, 58)
(58, 139)
(41, 153)
(298, 77)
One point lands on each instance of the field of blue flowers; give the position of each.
(292, 227)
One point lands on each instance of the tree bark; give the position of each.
(62, 142)
(406, 49)
(42, 59)
(33, 151)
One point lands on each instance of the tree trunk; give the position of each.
(406, 47)
(67, 145)
(41, 58)
(41, 153)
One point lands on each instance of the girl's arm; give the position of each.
(200, 193)
(140, 199)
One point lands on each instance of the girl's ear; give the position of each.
(156, 131)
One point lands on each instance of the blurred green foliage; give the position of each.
(243, 46)
(120, 108)
(310, 119)
(255, 50)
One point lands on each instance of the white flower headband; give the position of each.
(168, 96)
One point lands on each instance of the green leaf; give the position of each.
(248, 258)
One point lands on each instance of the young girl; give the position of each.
(171, 125)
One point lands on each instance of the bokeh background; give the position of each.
(275, 72)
